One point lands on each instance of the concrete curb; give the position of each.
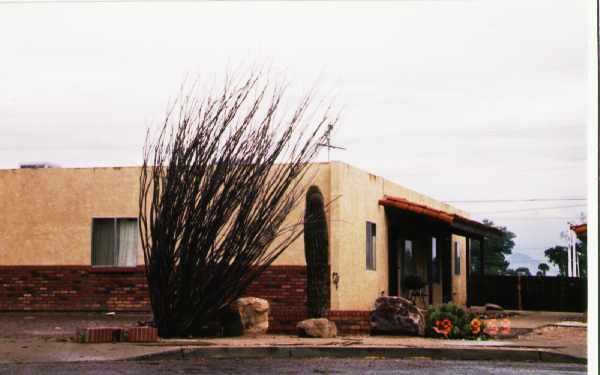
(463, 354)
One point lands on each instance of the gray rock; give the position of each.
(492, 307)
(317, 328)
(397, 315)
(254, 314)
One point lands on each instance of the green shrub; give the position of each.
(451, 321)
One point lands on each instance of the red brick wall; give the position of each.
(85, 288)
(285, 289)
(72, 288)
(351, 322)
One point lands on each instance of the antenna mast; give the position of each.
(328, 145)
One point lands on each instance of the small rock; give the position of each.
(492, 307)
(254, 314)
(317, 328)
(111, 313)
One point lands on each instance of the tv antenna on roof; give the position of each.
(328, 145)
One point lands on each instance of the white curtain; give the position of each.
(128, 242)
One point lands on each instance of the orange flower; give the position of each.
(476, 326)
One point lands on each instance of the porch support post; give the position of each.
(482, 256)
(429, 264)
(447, 268)
(481, 293)
(468, 270)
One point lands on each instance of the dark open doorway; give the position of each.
(417, 248)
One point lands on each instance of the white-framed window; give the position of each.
(371, 245)
(114, 241)
(457, 256)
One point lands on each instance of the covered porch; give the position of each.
(429, 252)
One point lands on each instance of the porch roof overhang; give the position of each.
(459, 223)
(580, 230)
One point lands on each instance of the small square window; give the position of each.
(114, 242)
(371, 245)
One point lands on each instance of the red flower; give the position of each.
(447, 325)
(443, 327)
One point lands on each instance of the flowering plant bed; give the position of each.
(452, 322)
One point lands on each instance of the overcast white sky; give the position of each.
(456, 99)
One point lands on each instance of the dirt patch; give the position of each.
(563, 335)
(59, 326)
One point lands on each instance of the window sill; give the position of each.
(116, 269)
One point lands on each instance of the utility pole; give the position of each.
(569, 252)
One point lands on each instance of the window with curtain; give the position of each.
(114, 242)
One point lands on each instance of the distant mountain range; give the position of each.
(523, 260)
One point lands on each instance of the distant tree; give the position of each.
(558, 256)
(497, 249)
(543, 268)
(539, 273)
(216, 185)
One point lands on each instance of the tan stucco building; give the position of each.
(380, 232)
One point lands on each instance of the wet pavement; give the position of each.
(295, 366)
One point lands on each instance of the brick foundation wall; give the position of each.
(73, 288)
(285, 289)
(351, 322)
(86, 288)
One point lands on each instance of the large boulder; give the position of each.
(254, 314)
(397, 315)
(316, 328)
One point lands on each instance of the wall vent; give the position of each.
(38, 165)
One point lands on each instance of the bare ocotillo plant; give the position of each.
(216, 185)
